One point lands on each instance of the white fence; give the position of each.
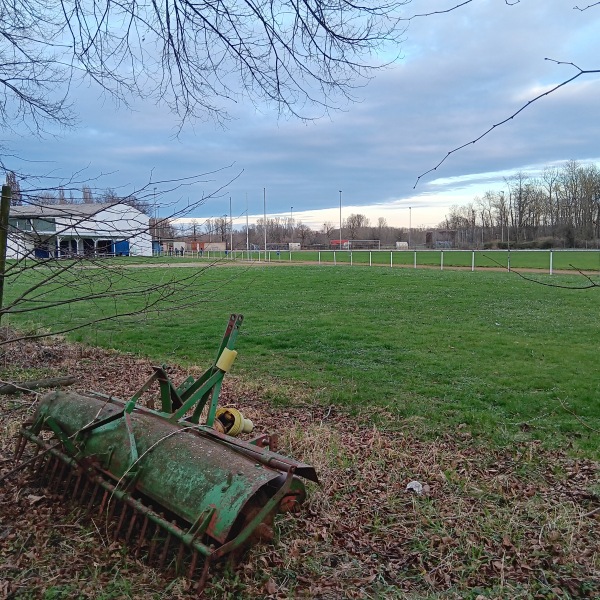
(543, 260)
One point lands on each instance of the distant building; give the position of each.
(339, 244)
(63, 230)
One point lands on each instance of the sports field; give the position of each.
(507, 358)
(482, 386)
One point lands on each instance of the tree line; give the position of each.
(561, 207)
(283, 230)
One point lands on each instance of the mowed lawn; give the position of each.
(422, 350)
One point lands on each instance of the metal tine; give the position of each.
(84, 490)
(153, 543)
(70, 474)
(121, 519)
(112, 505)
(61, 475)
(35, 464)
(193, 563)
(179, 559)
(44, 465)
(55, 466)
(142, 536)
(20, 447)
(93, 498)
(77, 483)
(165, 551)
(131, 526)
(103, 502)
(51, 465)
(202, 581)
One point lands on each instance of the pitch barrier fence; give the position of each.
(544, 260)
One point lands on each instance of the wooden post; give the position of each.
(4, 209)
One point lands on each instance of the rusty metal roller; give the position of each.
(210, 492)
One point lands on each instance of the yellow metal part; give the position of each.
(226, 359)
(233, 421)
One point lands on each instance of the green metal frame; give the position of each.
(193, 396)
(177, 401)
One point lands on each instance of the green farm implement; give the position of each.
(173, 483)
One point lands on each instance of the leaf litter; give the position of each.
(518, 522)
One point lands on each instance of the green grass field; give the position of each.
(420, 349)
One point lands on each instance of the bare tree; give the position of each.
(87, 196)
(209, 227)
(47, 198)
(193, 57)
(382, 226)
(108, 195)
(194, 229)
(161, 230)
(562, 207)
(354, 223)
(304, 233)
(221, 227)
(327, 228)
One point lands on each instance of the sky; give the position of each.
(457, 74)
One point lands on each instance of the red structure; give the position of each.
(339, 244)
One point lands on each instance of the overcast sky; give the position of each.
(459, 73)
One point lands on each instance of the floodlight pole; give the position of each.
(340, 219)
(230, 227)
(156, 234)
(247, 244)
(292, 223)
(265, 218)
(409, 224)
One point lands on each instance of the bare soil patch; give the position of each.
(521, 522)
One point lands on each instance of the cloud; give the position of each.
(461, 73)
(141, 150)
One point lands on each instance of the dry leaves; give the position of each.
(501, 523)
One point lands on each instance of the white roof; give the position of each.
(61, 210)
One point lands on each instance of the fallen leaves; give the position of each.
(508, 521)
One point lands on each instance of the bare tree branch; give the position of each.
(194, 57)
(586, 7)
(439, 12)
(526, 105)
(591, 283)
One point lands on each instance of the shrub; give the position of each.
(547, 243)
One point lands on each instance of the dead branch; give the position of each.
(29, 386)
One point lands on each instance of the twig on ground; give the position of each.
(579, 419)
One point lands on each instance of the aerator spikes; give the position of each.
(178, 491)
